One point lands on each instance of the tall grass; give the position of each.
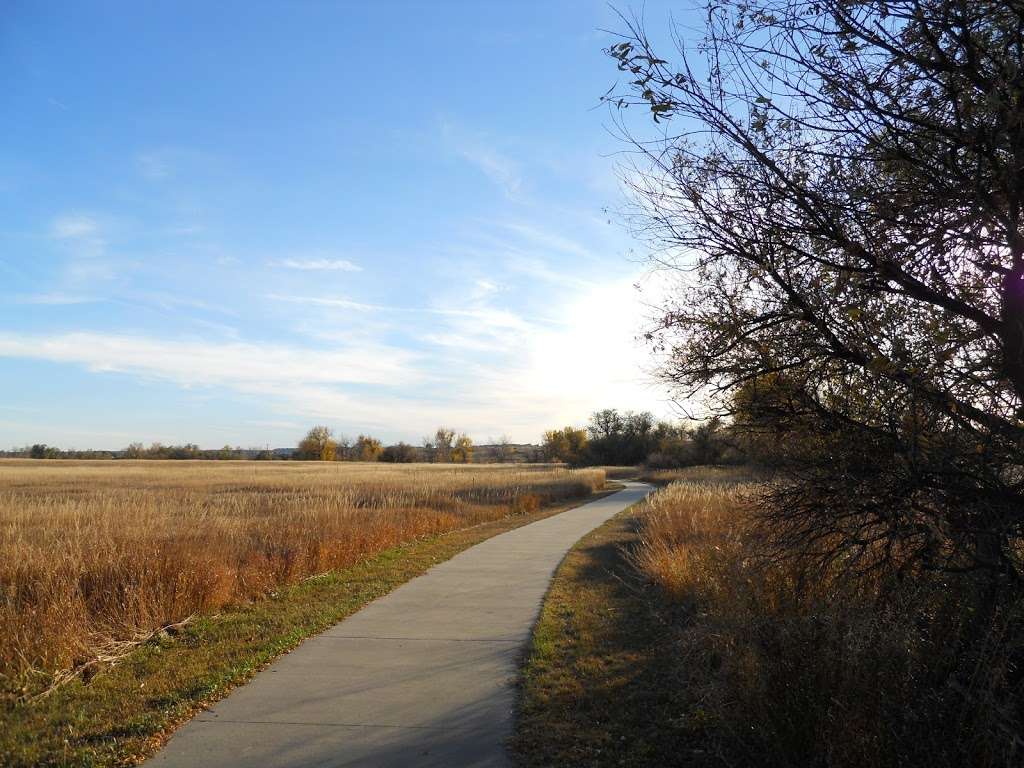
(782, 671)
(93, 553)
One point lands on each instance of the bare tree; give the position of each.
(839, 187)
(429, 450)
(506, 450)
(443, 441)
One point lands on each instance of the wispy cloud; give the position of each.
(193, 362)
(490, 316)
(539, 269)
(274, 424)
(483, 288)
(480, 151)
(326, 265)
(484, 369)
(74, 226)
(161, 163)
(546, 240)
(495, 166)
(155, 166)
(56, 298)
(326, 301)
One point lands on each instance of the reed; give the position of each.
(781, 670)
(94, 553)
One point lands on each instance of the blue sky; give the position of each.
(224, 222)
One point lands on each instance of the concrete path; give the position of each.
(421, 677)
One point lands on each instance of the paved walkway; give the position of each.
(421, 677)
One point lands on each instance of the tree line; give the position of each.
(628, 438)
(319, 444)
(445, 446)
(139, 451)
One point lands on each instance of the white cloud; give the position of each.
(74, 227)
(483, 369)
(487, 316)
(322, 301)
(250, 366)
(57, 298)
(480, 152)
(495, 166)
(538, 269)
(546, 240)
(274, 424)
(483, 288)
(155, 166)
(330, 265)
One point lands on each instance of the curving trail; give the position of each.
(421, 677)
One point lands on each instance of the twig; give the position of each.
(108, 656)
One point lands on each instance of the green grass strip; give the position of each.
(597, 684)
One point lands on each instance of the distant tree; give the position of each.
(462, 450)
(317, 445)
(672, 446)
(367, 448)
(605, 425)
(429, 449)
(506, 451)
(568, 444)
(707, 443)
(186, 451)
(343, 449)
(620, 438)
(134, 451)
(401, 453)
(442, 444)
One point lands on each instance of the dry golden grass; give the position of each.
(92, 553)
(780, 671)
(620, 472)
(693, 538)
(701, 474)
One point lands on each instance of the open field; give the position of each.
(96, 553)
(669, 638)
(620, 473)
(125, 712)
(704, 475)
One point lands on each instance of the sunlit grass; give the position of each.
(781, 667)
(93, 553)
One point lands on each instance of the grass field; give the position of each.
(593, 686)
(94, 555)
(668, 638)
(125, 712)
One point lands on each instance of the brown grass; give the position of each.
(593, 689)
(620, 472)
(92, 553)
(701, 474)
(781, 672)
